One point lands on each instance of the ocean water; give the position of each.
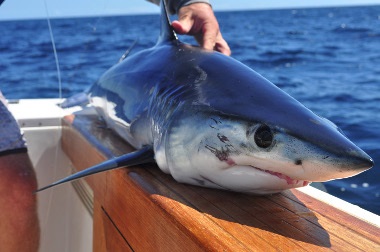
(327, 58)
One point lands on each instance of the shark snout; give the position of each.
(351, 157)
(342, 164)
(358, 161)
(318, 161)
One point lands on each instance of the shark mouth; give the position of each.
(288, 179)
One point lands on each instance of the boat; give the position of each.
(142, 209)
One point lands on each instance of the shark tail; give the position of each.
(79, 99)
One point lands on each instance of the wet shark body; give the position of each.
(211, 121)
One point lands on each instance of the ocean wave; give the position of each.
(360, 32)
(4, 48)
(348, 98)
(274, 61)
(345, 29)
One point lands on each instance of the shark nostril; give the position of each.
(298, 162)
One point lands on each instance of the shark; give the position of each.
(211, 121)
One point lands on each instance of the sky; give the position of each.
(28, 9)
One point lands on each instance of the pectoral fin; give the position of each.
(141, 156)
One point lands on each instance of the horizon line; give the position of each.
(94, 15)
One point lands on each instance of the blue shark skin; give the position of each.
(212, 121)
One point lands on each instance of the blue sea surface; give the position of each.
(327, 58)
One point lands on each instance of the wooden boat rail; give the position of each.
(142, 209)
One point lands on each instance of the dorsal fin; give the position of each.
(167, 32)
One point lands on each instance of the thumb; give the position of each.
(182, 26)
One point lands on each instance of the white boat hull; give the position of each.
(66, 224)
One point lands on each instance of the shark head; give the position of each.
(238, 131)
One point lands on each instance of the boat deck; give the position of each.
(142, 209)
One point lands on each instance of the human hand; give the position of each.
(198, 19)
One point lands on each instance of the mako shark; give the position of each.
(209, 120)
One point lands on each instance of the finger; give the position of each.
(209, 37)
(222, 46)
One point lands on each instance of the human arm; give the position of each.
(19, 224)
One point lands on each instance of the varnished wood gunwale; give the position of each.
(144, 209)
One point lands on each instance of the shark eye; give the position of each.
(263, 136)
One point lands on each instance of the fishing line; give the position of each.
(50, 203)
(58, 134)
(54, 50)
